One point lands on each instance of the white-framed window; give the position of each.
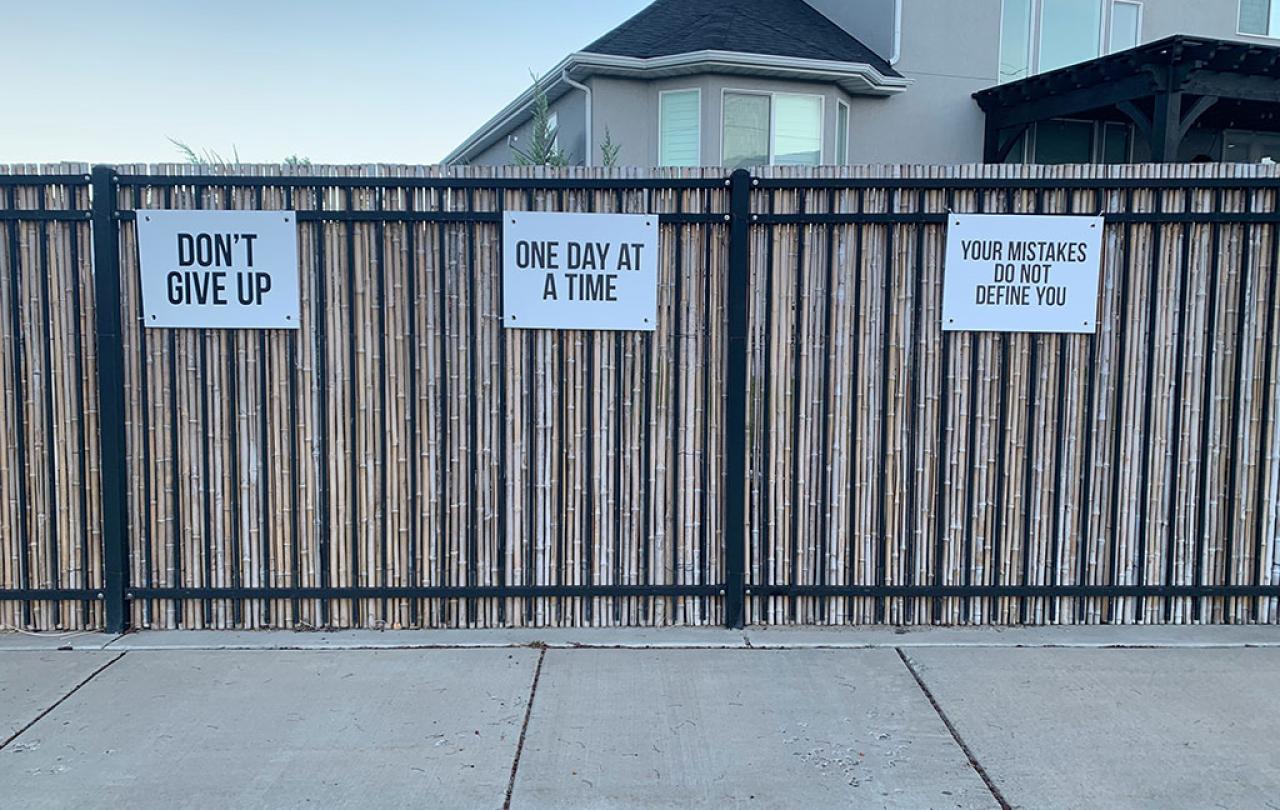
(1015, 39)
(1037, 36)
(553, 126)
(1070, 32)
(1126, 25)
(783, 129)
(1259, 18)
(680, 127)
(842, 133)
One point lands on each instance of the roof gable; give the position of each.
(778, 27)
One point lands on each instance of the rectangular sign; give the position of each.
(579, 271)
(219, 269)
(1019, 273)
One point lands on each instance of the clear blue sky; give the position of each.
(339, 82)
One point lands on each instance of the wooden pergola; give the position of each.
(1163, 88)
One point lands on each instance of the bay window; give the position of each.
(783, 129)
(680, 128)
(746, 130)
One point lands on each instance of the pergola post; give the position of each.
(1166, 127)
(991, 141)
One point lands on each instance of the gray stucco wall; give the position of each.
(629, 109)
(571, 125)
(949, 50)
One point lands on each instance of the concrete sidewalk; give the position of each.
(159, 720)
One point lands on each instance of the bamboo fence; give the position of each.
(50, 494)
(403, 438)
(886, 453)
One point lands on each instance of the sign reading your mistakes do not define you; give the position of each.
(1021, 273)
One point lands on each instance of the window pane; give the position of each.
(1064, 142)
(797, 130)
(1124, 26)
(1115, 143)
(1015, 40)
(746, 130)
(1069, 32)
(842, 134)
(1254, 16)
(678, 142)
(1251, 147)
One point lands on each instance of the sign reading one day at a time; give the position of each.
(219, 269)
(579, 271)
(1018, 273)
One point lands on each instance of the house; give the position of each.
(805, 82)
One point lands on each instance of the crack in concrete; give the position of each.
(58, 702)
(524, 728)
(955, 734)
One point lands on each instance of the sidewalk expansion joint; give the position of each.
(524, 728)
(59, 702)
(955, 735)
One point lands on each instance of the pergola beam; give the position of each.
(1076, 101)
(1172, 73)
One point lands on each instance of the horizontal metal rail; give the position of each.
(567, 183)
(1016, 183)
(427, 592)
(51, 594)
(321, 215)
(44, 179)
(24, 215)
(1044, 591)
(939, 218)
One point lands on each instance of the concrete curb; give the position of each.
(780, 638)
(674, 638)
(46, 642)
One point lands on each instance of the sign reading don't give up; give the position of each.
(579, 271)
(219, 269)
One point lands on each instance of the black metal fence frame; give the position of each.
(748, 210)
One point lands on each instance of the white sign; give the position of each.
(579, 271)
(1017, 273)
(219, 269)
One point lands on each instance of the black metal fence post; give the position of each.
(106, 285)
(735, 442)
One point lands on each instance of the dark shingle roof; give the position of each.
(777, 27)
